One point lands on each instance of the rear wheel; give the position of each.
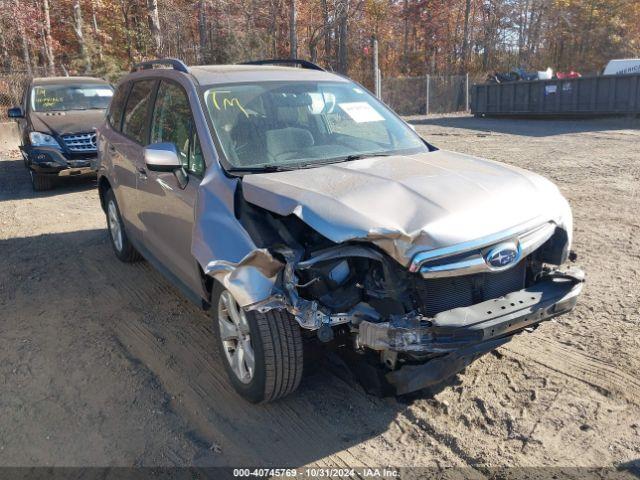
(262, 352)
(122, 247)
(41, 182)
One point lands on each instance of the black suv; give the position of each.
(57, 120)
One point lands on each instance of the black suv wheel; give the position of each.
(40, 182)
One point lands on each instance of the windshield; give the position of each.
(53, 98)
(291, 125)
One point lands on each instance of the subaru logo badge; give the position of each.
(502, 256)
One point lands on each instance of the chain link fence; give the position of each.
(12, 87)
(428, 94)
(405, 95)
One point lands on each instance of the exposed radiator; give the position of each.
(439, 294)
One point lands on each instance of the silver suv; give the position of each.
(299, 209)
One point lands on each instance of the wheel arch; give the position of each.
(103, 187)
(208, 283)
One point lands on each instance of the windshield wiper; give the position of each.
(360, 156)
(348, 158)
(297, 166)
(265, 168)
(275, 168)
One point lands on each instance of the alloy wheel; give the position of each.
(114, 226)
(236, 338)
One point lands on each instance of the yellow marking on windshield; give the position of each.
(44, 100)
(49, 101)
(227, 102)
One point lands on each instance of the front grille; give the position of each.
(439, 294)
(80, 142)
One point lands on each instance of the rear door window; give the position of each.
(117, 106)
(136, 112)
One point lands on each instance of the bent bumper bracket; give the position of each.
(461, 334)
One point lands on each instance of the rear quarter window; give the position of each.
(114, 116)
(136, 113)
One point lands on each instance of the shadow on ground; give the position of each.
(530, 127)
(632, 467)
(16, 184)
(100, 303)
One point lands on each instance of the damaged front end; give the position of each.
(419, 323)
(454, 338)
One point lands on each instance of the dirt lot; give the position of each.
(104, 363)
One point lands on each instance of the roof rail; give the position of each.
(286, 61)
(171, 62)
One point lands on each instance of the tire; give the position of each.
(122, 247)
(40, 182)
(276, 341)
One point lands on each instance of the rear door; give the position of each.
(127, 153)
(109, 135)
(166, 199)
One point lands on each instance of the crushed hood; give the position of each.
(72, 121)
(407, 204)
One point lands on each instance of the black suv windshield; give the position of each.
(53, 98)
(274, 125)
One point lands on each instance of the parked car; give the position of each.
(57, 120)
(622, 66)
(298, 208)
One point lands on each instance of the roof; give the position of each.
(216, 74)
(67, 81)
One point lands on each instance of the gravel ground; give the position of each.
(104, 363)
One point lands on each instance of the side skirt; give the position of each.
(189, 293)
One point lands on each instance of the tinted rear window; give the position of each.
(117, 106)
(134, 123)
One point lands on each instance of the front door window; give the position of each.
(172, 122)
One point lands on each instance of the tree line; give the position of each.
(416, 37)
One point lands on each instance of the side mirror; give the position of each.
(15, 112)
(162, 157)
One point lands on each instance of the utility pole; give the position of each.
(466, 92)
(376, 69)
(426, 103)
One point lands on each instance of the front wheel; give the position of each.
(40, 182)
(262, 352)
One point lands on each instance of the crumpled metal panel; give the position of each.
(409, 204)
(251, 279)
(223, 248)
(401, 204)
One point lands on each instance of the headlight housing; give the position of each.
(39, 139)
